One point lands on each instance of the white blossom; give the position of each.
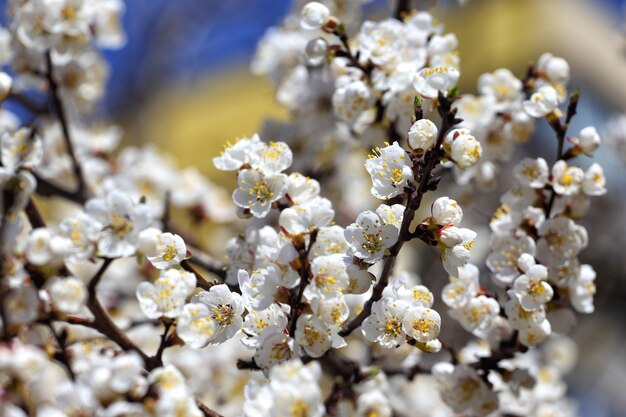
(543, 102)
(166, 297)
(422, 324)
(67, 294)
(582, 290)
(566, 180)
(259, 288)
(429, 82)
(226, 309)
(531, 288)
(245, 151)
(384, 325)
(369, 237)
(532, 172)
(257, 191)
(121, 221)
(390, 170)
(594, 183)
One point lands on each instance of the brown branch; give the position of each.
(305, 272)
(62, 355)
(157, 360)
(403, 7)
(207, 262)
(431, 159)
(206, 410)
(102, 322)
(82, 188)
(560, 129)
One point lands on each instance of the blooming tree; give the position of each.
(113, 308)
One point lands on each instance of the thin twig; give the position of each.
(431, 159)
(102, 322)
(82, 188)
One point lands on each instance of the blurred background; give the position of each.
(183, 81)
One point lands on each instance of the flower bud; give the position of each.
(450, 236)
(446, 211)
(589, 139)
(148, 241)
(525, 261)
(316, 51)
(423, 135)
(314, 15)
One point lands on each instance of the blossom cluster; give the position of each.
(116, 306)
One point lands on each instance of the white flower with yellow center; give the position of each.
(391, 215)
(68, 294)
(535, 334)
(542, 102)
(195, 325)
(501, 84)
(38, 249)
(226, 309)
(257, 191)
(532, 172)
(274, 347)
(352, 99)
(560, 239)
(307, 216)
(329, 274)
(594, 183)
(169, 250)
(369, 237)
(384, 325)
(244, 152)
(330, 239)
(379, 41)
(259, 288)
(275, 157)
(566, 180)
(414, 295)
(477, 315)
(422, 324)
(582, 290)
(429, 82)
(390, 169)
(257, 323)
(520, 318)
(121, 221)
(333, 310)
(77, 235)
(506, 250)
(20, 149)
(459, 291)
(531, 288)
(166, 297)
(464, 390)
(302, 189)
(463, 148)
(313, 335)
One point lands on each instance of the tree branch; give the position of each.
(81, 189)
(431, 159)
